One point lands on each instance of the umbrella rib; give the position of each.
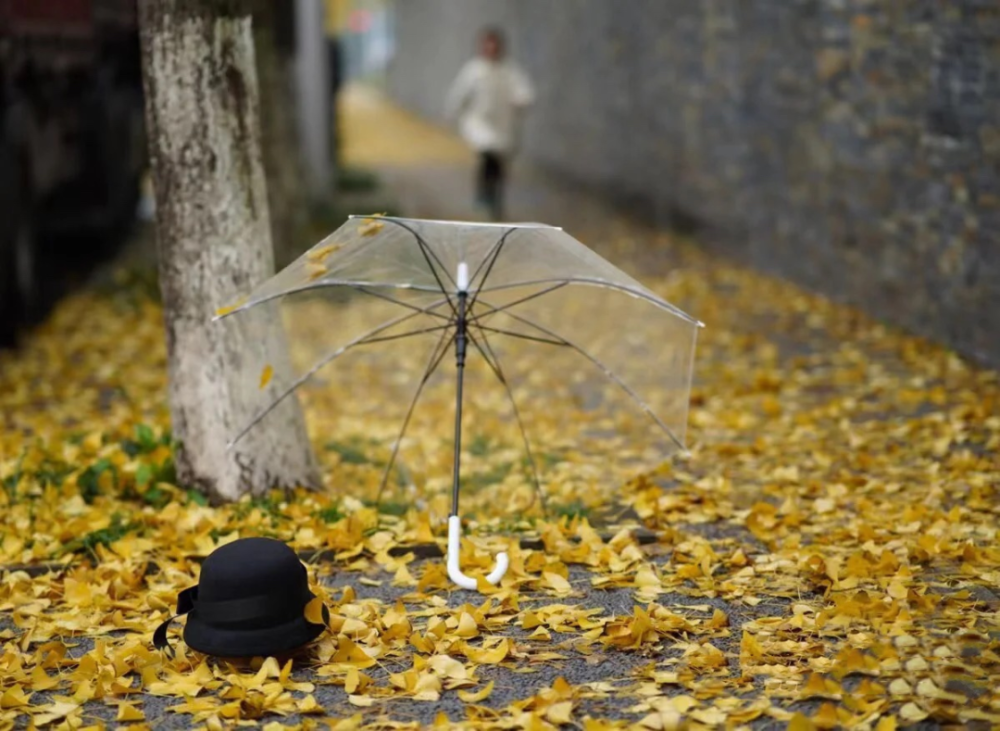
(395, 301)
(494, 365)
(490, 257)
(437, 355)
(360, 340)
(652, 299)
(411, 333)
(428, 252)
(494, 310)
(522, 336)
(363, 287)
(607, 371)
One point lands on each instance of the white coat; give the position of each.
(487, 98)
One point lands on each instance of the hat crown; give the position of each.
(250, 567)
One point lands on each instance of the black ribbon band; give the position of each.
(233, 611)
(185, 603)
(263, 606)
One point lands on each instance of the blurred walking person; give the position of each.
(488, 98)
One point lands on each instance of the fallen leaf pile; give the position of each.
(826, 556)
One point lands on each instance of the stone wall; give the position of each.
(851, 145)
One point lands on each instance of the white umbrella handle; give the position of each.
(454, 540)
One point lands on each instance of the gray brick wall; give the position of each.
(851, 145)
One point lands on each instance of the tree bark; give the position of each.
(214, 244)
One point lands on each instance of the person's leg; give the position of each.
(498, 187)
(493, 176)
(483, 180)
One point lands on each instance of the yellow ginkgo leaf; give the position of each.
(479, 695)
(53, 712)
(316, 612)
(128, 712)
(349, 653)
(266, 375)
(913, 713)
(231, 308)
(491, 656)
(355, 681)
(315, 270)
(309, 704)
(447, 667)
(799, 722)
(560, 713)
(466, 626)
(14, 697)
(371, 227)
(324, 251)
(557, 583)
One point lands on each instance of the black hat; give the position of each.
(249, 601)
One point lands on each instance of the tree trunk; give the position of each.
(214, 244)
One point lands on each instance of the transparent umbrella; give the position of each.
(585, 356)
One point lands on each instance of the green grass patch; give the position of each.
(493, 476)
(479, 446)
(332, 514)
(353, 451)
(87, 544)
(574, 509)
(395, 508)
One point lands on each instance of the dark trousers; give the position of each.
(489, 183)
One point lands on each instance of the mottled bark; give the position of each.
(214, 243)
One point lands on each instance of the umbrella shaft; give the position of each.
(460, 345)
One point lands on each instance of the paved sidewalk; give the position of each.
(827, 554)
(431, 171)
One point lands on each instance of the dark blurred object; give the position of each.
(72, 147)
(335, 58)
(288, 200)
(280, 16)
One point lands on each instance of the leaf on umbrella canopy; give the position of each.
(324, 251)
(266, 375)
(231, 308)
(315, 270)
(371, 227)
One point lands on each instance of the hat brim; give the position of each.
(262, 642)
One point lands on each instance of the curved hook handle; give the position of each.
(467, 582)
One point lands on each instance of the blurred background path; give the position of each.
(428, 171)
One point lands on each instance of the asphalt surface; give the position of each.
(616, 667)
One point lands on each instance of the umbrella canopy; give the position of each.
(584, 355)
